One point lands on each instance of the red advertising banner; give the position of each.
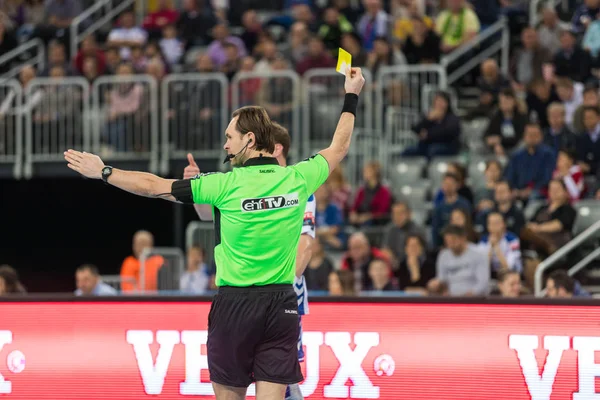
(144, 350)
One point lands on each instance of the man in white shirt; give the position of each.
(127, 36)
(89, 283)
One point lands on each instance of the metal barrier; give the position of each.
(102, 13)
(483, 50)
(367, 145)
(127, 125)
(167, 276)
(278, 92)
(194, 116)
(55, 119)
(398, 133)
(11, 125)
(15, 55)
(201, 234)
(322, 98)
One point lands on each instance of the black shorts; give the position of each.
(253, 336)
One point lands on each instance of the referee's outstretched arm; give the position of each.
(340, 143)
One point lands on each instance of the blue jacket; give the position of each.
(533, 170)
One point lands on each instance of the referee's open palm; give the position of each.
(87, 164)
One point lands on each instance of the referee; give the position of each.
(258, 210)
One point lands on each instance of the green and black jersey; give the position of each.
(258, 212)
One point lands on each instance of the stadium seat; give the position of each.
(588, 212)
(531, 208)
(408, 171)
(419, 215)
(438, 167)
(415, 194)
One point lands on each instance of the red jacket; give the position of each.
(381, 204)
(158, 19)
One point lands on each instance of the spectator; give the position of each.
(417, 267)
(89, 282)
(195, 23)
(113, 60)
(588, 145)
(383, 55)
(57, 57)
(550, 30)
(487, 11)
(9, 281)
(277, 94)
(303, 13)
(464, 191)
(90, 69)
(138, 60)
(373, 201)
(557, 135)
(502, 247)
(233, 61)
(359, 256)
(170, 45)
(585, 14)
(441, 212)
(540, 95)
(462, 217)
(216, 50)
(349, 9)
(509, 283)
(127, 35)
(484, 196)
(374, 23)
(570, 173)
(530, 168)
(342, 283)
(461, 265)
(528, 61)
(132, 268)
(380, 274)
(197, 277)
(590, 99)
(156, 69)
(511, 214)
(333, 27)
(439, 131)
(126, 102)
(560, 285)
(405, 15)
(422, 46)
(59, 15)
(456, 25)
(491, 83)
(298, 38)
(9, 111)
(571, 95)
(268, 53)
(7, 43)
(341, 191)
(328, 219)
(319, 268)
(11, 13)
(89, 48)
(157, 20)
(591, 41)
(253, 30)
(351, 43)
(317, 57)
(397, 232)
(505, 130)
(248, 88)
(34, 14)
(571, 61)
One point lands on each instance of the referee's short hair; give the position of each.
(256, 120)
(282, 137)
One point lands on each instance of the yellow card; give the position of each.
(344, 61)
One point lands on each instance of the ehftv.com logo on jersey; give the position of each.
(270, 203)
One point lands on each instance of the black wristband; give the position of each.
(350, 103)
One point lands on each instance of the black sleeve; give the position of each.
(566, 215)
(182, 191)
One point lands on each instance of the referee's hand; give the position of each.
(354, 81)
(87, 164)
(192, 169)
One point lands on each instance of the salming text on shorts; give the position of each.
(253, 336)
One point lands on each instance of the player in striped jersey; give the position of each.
(307, 236)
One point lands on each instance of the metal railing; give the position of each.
(168, 274)
(11, 125)
(367, 145)
(483, 53)
(38, 60)
(322, 100)
(563, 251)
(201, 234)
(278, 92)
(194, 116)
(535, 6)
(127, 119)
(111, 11)
(55, 120)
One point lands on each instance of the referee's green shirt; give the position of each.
(258, 213)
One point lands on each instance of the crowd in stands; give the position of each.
(541, 137)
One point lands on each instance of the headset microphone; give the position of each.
(230, 157)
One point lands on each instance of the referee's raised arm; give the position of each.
(338, 149)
